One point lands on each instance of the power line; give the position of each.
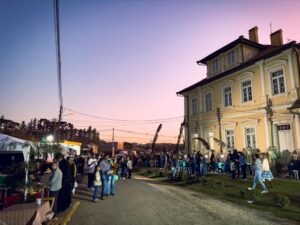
(123, 120)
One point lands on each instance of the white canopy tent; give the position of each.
(13, 144)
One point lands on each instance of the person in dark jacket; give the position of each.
(234, 163)
(65, 194)
(243, 165)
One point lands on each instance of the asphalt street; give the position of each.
(141, 201)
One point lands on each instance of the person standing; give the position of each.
(266, 172)
(129, 167)
(65, 194)
(123, 167)
(203, 166)
(104, 170)
(97, 183)
(173, 167)
(212, 163)
(92, 162)
(55, 184)
(243, 165)
(234, 158)
(197, 163)
(73, 176)
(257, 176)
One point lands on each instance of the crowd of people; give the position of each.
(195, 165)
(60, 178)
(103, 171)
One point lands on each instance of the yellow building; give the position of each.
(256, 88)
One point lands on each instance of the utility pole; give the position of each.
(113, 143)
(58, 61)
(155, 137)
(220, 130)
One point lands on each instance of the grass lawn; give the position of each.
(221, 186)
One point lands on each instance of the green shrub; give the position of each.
(282, 201)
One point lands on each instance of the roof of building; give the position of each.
(241, 39)
(267, 52)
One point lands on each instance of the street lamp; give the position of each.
(50, 138)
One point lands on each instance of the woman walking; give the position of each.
(257, 176)
(266, 172)
(97, 183)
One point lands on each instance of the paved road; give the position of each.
(141, 202)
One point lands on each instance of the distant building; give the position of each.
(256, 88)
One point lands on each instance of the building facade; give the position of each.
(255, 88)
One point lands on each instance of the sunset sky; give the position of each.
(121, 59)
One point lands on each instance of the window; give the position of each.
(231, 58)
(246, 91)
(284, 127)
(194, 107)
(227, 97)
(229, 137)
(250, 137)
(278, 86)
(215, 65)
(208, 102)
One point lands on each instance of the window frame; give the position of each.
(271, 81)
(215, 62)
(232, 138)
(242, 90)
(230, 56)
(205, 101)
(194, 105)
(255, 137)
(224, 96)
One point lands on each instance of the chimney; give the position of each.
(253, 34)
(276, 38)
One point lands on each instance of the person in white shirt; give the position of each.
(266, 172)
(92, 162)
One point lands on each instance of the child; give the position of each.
(266, 172)
(97, 183)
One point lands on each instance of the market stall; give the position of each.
(14, 154)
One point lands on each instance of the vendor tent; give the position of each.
(13, 144)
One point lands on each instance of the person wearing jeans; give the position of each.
(257, 176)
(55, 184)
(111, 184)
(97, 183)
(243, 165)
(105, 168)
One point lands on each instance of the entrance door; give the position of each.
(285, 137)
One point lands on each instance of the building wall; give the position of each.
(241, 115)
